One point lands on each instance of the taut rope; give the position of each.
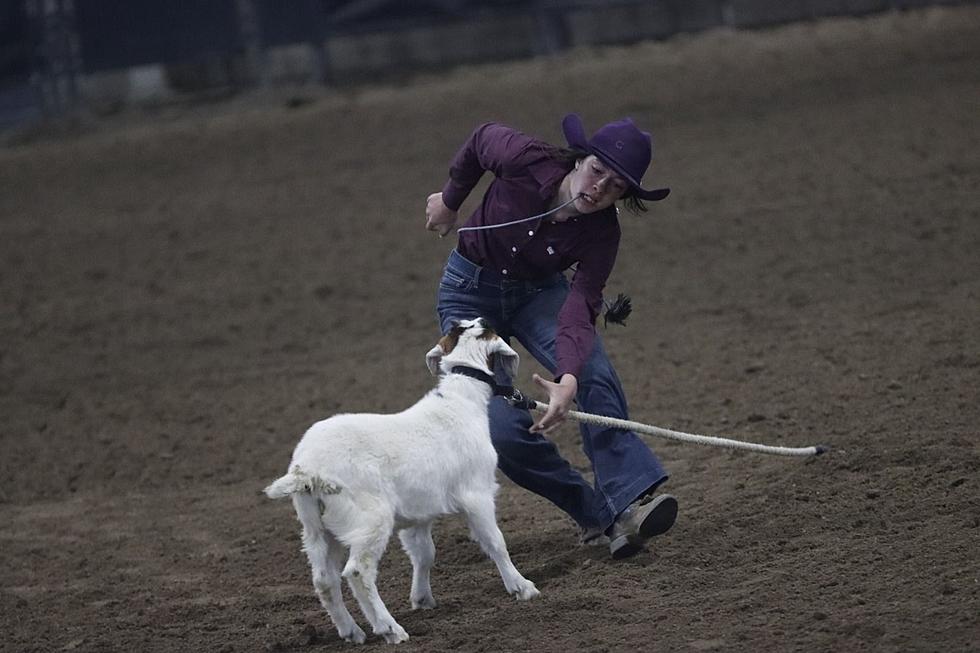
(709, 440)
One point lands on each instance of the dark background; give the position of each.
(47, 46)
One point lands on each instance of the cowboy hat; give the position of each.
(621, 146)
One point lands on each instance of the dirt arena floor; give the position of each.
(184, 292)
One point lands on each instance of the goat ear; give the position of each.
(433, 358)
(509, 358)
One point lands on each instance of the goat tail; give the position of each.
(297, 481)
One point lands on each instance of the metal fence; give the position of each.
(45, 45)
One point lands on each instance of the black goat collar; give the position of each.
(480, 375)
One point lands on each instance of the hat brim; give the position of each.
(574, 131)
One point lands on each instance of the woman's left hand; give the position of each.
(560, 398)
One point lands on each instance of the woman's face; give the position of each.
(595, 184)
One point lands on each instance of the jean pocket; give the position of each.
(454, 281)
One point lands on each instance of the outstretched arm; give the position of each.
(560, 398)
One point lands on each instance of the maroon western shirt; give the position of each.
(527, 176)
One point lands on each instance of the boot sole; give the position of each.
(624, 547)
(660, 520)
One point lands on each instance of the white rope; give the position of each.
(533, 217)
(710, 440)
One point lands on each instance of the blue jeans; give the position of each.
(624, 467)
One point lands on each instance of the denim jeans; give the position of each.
(624, 468)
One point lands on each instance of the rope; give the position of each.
(709, 440)
(512, 222)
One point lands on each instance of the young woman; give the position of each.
(509, 270)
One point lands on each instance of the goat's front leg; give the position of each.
(417, 542)
(480, 513)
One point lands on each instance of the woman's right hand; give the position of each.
(439, 217)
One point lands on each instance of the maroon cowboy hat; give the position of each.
(621, 146)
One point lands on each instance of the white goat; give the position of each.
(354, 478)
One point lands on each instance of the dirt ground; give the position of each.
(183, 292)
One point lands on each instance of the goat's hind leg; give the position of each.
(325, 554)
(417, 542)
(481, 515)
(361, 572)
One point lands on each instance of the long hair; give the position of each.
(632, 203)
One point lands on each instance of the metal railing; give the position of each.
(68, 38)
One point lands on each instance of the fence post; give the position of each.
(552, 30)
(319, 33)
(250, 29)
(55, 59)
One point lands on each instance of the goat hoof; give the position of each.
(423, 603)
(526, 592)
(355, 636)
(395, 634)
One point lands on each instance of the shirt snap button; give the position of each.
(503, 272)
(513, 249)
(531, 232)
